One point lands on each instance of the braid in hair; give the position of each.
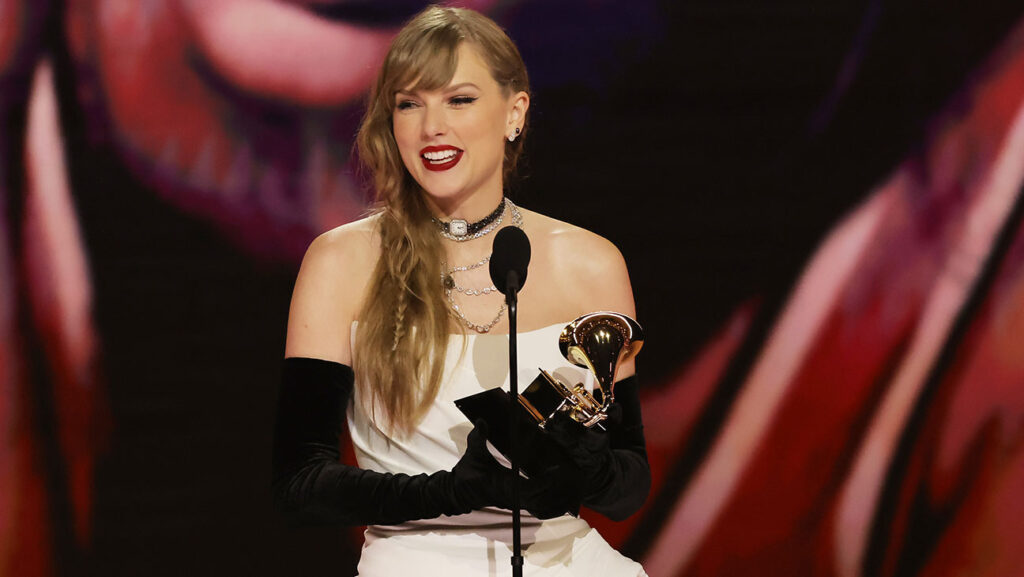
(403, 303)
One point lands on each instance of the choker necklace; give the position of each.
(459, 229)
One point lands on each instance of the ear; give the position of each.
(519, 104)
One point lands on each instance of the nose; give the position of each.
(435, 122)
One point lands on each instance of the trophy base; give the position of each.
(536, 451)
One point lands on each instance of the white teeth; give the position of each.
(440, 156)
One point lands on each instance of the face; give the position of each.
(452, 140)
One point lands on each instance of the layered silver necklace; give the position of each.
(451, 286)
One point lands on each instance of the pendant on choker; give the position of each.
(460, 229)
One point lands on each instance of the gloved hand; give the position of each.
(589, 448)
(481, 481)
(615, 477)
(554, 492)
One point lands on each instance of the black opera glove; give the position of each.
(615, 477)
(311, 486)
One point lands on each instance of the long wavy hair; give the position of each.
(405, 322)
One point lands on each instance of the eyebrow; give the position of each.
(452, 88)
(456, 87)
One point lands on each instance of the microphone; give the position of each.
(509, 259)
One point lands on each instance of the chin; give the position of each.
(439, 194)
(443, 190)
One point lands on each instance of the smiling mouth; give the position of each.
(440, 158)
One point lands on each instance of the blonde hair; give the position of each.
(405, 321)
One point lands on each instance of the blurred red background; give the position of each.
(820, 206)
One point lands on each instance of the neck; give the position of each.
(471, 208)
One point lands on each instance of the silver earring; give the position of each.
(512, 137)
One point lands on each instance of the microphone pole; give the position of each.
(509, 261)
(512, 301)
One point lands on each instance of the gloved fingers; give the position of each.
(480, 430)
(593, 441)
(614, 412)
(476, 441)
(477, 457)
(564, 430)
(551, 496)
(577, 440)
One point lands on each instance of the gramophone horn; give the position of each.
(600, 342)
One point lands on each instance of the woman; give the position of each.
(404, 298)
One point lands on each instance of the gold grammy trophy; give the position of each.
(599, 342)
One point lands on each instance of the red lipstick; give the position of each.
(439, 158)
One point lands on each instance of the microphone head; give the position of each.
(511, 254)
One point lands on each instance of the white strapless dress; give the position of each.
(478, 543)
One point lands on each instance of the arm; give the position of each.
(329, 292)
(591, 276)
(309, 482)
(614, 472)
(310, 485)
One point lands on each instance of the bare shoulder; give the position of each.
(330, 289)
(348, 245)
(587, 255)
(589, 269)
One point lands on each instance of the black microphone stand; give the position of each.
(511, 301)
(509, 261)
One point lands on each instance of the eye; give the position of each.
(405, 105)
(458, 101)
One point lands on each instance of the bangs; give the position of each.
(424, 63)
